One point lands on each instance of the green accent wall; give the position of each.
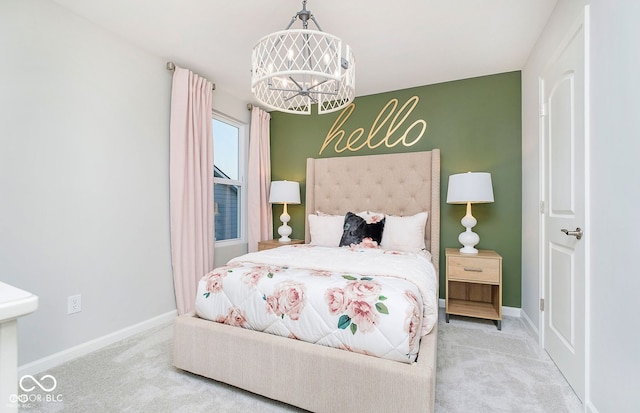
(476, 123)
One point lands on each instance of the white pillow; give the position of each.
(326, 230)
(404, 233)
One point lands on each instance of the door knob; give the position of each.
(577, 233)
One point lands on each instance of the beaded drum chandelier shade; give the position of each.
(293, 69)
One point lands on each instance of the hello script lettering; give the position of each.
(354, 142)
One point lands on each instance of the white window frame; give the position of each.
(243, 161)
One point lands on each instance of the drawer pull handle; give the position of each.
(473, 269)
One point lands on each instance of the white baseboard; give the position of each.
(56, 359)
(508, 311)
(512, 311)
(533, 329)
(590, 408)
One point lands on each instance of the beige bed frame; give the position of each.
(314, 377)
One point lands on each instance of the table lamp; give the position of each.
(468, 188)
(284, 192)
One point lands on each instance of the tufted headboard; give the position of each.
(397, 184)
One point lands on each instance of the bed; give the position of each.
(314, 377)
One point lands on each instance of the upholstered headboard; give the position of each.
(397, 184)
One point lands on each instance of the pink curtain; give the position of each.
(191, 184)
(260, 222)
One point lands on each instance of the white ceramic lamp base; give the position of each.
(468, 238)
(284, 230)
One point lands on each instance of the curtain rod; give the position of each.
(172, 66)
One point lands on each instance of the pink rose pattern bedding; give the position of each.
(372, 301)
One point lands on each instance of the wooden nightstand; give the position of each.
(274, 243)
(474, 285)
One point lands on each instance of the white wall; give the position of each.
(84, 197)
(83, 177)
(615, 199)
(613, 364)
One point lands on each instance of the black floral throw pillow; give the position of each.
(355, 229)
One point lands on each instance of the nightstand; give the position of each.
(274, 243)
(474, 285)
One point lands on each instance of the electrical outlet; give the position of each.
(74, 304)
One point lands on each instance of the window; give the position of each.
(229, 150)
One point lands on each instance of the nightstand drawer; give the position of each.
(474, 269)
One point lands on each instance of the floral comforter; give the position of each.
(371, 301)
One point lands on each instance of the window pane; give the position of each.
(227, 211)
(225, 150)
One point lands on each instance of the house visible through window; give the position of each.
(228, 194)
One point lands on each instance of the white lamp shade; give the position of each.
(284, 192)
(474, 187)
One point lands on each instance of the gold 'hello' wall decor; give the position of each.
(387, 129)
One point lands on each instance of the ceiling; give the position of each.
(397, 43)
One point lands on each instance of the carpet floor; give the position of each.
(480, 369)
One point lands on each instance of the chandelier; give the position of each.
(293, 69)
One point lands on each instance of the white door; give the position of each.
(563, 92)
